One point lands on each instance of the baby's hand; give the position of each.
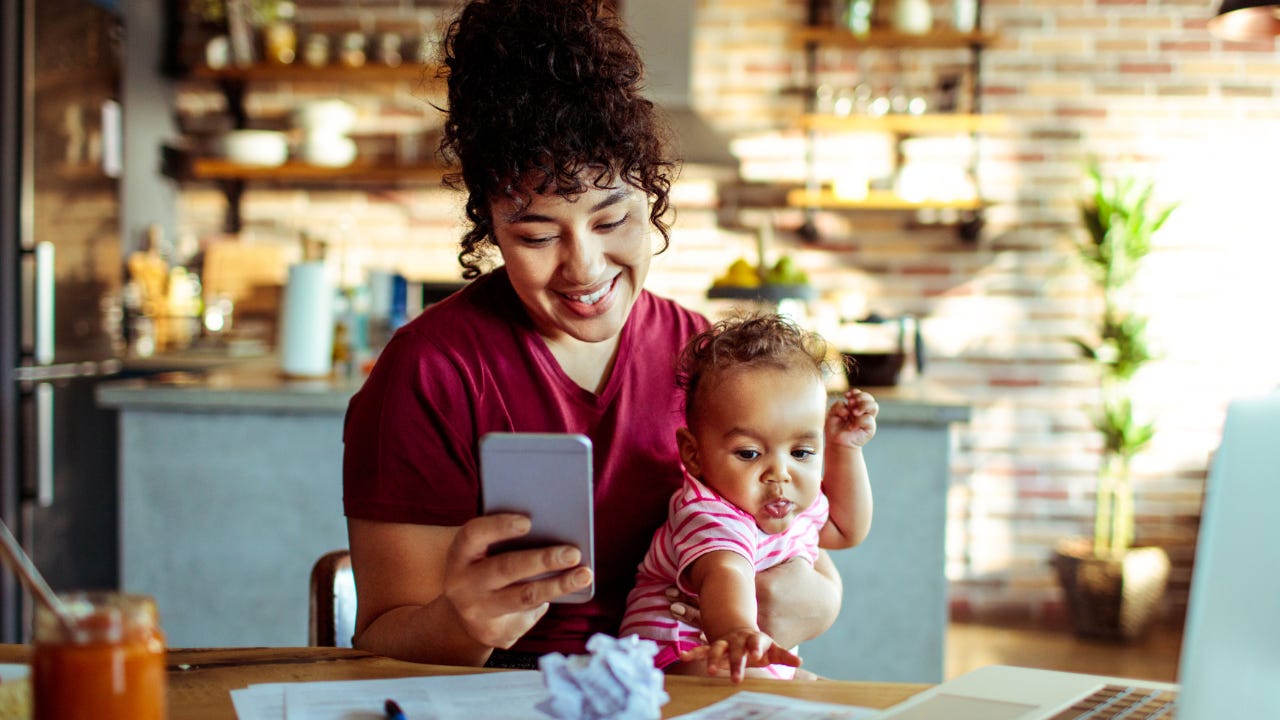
(740, 649)
(852, 423)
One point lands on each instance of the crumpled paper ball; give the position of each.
(617, 680)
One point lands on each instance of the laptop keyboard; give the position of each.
(1118, 702)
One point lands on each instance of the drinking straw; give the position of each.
(31, 577)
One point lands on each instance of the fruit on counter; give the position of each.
(786, 272)
(740, 274)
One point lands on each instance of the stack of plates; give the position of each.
(265, 148)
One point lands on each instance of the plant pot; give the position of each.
(1111, 597)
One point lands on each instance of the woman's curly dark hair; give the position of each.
(540, 91)
(761, 339)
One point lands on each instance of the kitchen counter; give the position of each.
(231, 487)
(256, 385)
(250, 386)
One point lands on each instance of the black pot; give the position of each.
(882, 368)
(873, 369)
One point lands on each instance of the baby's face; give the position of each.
(758, 441)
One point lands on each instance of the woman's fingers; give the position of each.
(684, 607)
(499, 597)
(532, 594)
(476, 535)
(688, 614)
(515, 566)
(471, 553)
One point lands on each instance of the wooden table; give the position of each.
(201, 680)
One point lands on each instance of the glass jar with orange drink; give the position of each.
(107, 663)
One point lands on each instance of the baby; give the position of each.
(772, 474)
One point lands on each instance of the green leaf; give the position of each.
(1120, 219)
(1086, 350)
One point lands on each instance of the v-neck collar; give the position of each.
(538, 347)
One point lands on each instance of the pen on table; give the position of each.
(393, 710)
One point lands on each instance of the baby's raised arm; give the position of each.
(850, 424)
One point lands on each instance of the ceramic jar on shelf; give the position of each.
(914, 17)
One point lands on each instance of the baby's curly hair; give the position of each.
(759, 339)
(540, 91)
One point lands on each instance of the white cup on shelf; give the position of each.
(327, 149)
(914, 17)
(266, 148)
(964, 15)
(325, 115)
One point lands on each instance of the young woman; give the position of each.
(565, 170)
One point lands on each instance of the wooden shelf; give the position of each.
(938, 123)
(209, 169)
(813, 38)
(85, 173)
(941, 38)
(875, 200)
(77, 79)
(371, 72)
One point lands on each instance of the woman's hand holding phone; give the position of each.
(545, 477)
(533, 544)
(499, 597)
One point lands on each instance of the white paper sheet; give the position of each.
(492, 696)
(763, 706)
(485, 696)
(259, 702)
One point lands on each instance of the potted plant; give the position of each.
(1113, 588)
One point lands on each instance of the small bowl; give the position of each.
(328, 150)
(873, 369)
(333, 116)
(266, 148)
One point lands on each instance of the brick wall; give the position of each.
(1142, 86)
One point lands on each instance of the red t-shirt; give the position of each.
(472, 364)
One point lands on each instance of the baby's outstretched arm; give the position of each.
(749, 646)
(851, 423)
(725, 582)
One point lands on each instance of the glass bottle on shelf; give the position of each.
(280, 37)
(315, 51)
(856, 16)
(352, 53)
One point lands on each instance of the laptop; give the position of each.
(1230, 662)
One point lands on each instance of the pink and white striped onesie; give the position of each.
(699, 521)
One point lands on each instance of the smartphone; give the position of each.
(546, 476)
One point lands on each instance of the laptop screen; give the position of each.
(1230, 663)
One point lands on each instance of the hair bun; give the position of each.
(538, 92)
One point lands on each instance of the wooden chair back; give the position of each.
(332, 616)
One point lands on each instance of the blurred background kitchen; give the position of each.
(907, 187)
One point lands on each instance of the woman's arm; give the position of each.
(432, 594)
(798, 601)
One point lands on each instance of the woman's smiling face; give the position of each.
(577, 263)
